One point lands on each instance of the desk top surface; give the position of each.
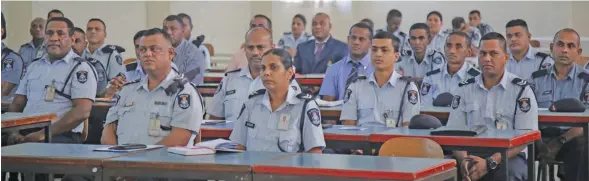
(10, 119)
(56, 153)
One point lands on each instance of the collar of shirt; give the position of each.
(365, 61)
(139, 69)
(530, 55)
(392, 80)
(181, 47)
(67, 59)
(245, 72)
(461, 72)
(167, 81)
(324, 41)
(98, 51)
(504, 82)
(33, 45)
(3, 45)
(572, 72)
(291, 98)
(426, 57)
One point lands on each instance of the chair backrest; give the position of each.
(411, 147)
(129, 60)
(535, 43)
(210, 48)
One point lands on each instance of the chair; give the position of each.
(210, 48)
(535, 43)
(129, 60)
(411, 147)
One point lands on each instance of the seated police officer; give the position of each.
(12, 66)
(279, 118)
(422, 59)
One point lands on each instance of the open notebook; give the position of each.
(207, 147)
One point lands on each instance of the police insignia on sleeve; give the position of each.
(546, 65)
(119, 59)
(184, 101)
(281, 42)
(8, 64)
(412, 96)
(586, 96)
(82, 76)
(220, 87)
(347, 95)
(116, 99)
(524, 104)
(425, 88)
(455, 101)
(314, 116)
(438, 60)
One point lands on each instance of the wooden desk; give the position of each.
(216, 70)
(338, 137)
(207, 89)
(321, 167)
(12, 121)
(162, 164)
(219, 130)
(215, 78)
(441, 113)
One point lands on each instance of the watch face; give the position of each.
(491, 164)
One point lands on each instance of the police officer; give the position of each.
(12, 66)
(524, 59)
(188, 26)
(61, 83)
(341, 74)
(106, 59)
(54, 13)
(474, 20)
(161, 109)
(34, 49)
(278, 118)
(80, 43)
(421, 60)
(438, 37)
(290, 40)
(446, 78)
(368, 100)
(188, 57)
(394, 18)
(564, 79)
(498, 100)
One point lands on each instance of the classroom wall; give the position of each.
(224, 23)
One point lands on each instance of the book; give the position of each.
(207, 147)
(128, 148)
(455, 131)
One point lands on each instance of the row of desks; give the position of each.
(74, 159)
(307, 79)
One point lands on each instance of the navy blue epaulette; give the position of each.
(111, 48)
(409, 78)
(80, 59)
(233, 71)
(402, 34)
(539, 73)
(132, 82)
(257, 93)
(432, 72)
(287, 33)
(473, 72)
(584, 76)
(520, 82)
(305, 96)
(131, 66)
(24, 45)
(466, 82)
(542, 55)
(407, 53)
(361, 77)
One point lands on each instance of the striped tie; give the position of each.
(353, 74)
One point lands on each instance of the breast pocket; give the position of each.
(366, 112)
(35, 86)
(125, 121)
(232, 106)
(290, 140)
(472, 113)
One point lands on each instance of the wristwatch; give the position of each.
(562, 140)
(491, 164)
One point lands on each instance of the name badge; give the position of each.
(391, 123)
(500, 125)
(154, 125)
(129, 104)
(283, 122)
(50, 92)
(250, 125)
(160, 103)
(547, 92)
(230, 92)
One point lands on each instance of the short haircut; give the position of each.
(437, 13)
(259, 29)
(393, 13)
(285, 57)
(368, 21)
(477, 12)
(517, 22)
(388, 35)
(175, 18)
(99, 20)
(495, 36)
(3, 27)
(457, 22)
(418, 26)
(79, 30)
(364, 26)
(184, 15)
(156, 31)
(462, 34)
(264, 17)
(138, 35)
(55, 11)
(300, 16)
(68, 22)
(569, 30)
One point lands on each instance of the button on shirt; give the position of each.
(261, 129)
(431, 61)
(188, 58)
(549, 90)
(29, 52)
(528, 65)
(334, 82)
(442, 82)
(137, 107)
(288, 40)
(476, 105)
(12, 66)
(42, 73)
(368, 103)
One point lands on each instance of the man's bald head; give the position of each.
(37, 28)
(567, 30)
(258, 33)
(258, 40)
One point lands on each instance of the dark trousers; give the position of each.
(571, 153)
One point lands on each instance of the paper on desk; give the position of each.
(324, 103)
(149, 147)
(352, 128)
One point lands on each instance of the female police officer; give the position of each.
(277, 118)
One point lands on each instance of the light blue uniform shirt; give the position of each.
(187, 58)
(288, 40)
(205, 51)
(529, 64)
(134, 71)
(440, 81)
(29, 52)
(485, 28)
(371, 105)
(42, 73)
(548, 89)
(12, 66)
(439, 41)
(137, 107)
(475, 36)
(336, 76)
(258, 128)
(431, 61)
(113, 64)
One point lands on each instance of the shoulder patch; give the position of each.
(524, 104)
(220, 87)
(281, 42)
(432, 72)
(412, 96)
(540, 73)
(425, 88)
(257, 93)
(119, 59)
(466, 82)
(407, 53)
(7, 64)
(233, 71)
(520, 82)
(184, 101)
(314, 116)
(131, 66)
(305, 96)
(455, 101)
(473, 72)
(82, 76)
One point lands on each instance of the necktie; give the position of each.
(353, 74)
(319, 50)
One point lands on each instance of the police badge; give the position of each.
(412, 96)
(347, 95)
(184, 101)
(314, 116)
(455, 102)
(82, 76)
(425, 88)
(119, 59)
(8, 64)
(524, 104)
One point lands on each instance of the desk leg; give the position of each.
(531, 161)
(505, 164)
(586, 133)
(29, 176)
(48, 133)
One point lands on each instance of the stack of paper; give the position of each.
(207, 147)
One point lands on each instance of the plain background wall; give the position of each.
(225, 23)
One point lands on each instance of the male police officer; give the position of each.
(106, 59)
(60, 82)
(446, 79)
(164, 108)
(187, 21)
(564, 79)
(394, 19)
(188, 57)
(368, 100)
(12, 65)
(499, 100)
(421, 60)
(341, 74)
(80, 43)
(524, 59)
(34, 49)
(474, 20)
